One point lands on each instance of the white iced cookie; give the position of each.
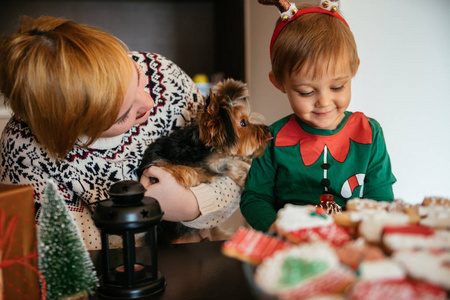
(371, 226)
(380, 269)
(415, 237)
(429, 265)
(295, 217)
(304, 271)
(435, 216)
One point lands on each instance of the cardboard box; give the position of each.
(18, 280)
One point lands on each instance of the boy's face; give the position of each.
(319, 102)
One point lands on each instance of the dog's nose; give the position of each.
(266, 129)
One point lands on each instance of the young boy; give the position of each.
(321, 150)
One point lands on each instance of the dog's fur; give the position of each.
(221, 141)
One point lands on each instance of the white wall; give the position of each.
(403, 82)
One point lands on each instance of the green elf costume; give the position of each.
(301, 163)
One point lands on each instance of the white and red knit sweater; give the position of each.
(86, 174)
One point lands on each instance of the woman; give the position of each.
(84, 110)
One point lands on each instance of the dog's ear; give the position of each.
(216, 127)
(213, 105)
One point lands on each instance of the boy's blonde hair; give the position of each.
(313, 43)
(64, 80)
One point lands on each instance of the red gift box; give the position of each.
(19, 275)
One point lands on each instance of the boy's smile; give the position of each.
(319, 102)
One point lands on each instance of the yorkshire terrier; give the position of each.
(220, 142)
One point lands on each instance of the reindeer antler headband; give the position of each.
(290, 12)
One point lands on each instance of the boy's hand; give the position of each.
(272, 228)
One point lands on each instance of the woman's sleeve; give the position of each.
(217, 201)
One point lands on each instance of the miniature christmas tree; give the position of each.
(63, 258)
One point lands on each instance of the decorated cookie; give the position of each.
(303, 271)
(328, 297)
(435, 216)
(358, 204)
(293, 217)
(380, 269)
(307, 224)
(413, 213)
(398, 205)
(398, 289)
(436, 201)
(252, 246)
(430, 265)
(414, 237)
(354, 253)
(371, 226)
(352, 219)
(359, 209)
(329, 205)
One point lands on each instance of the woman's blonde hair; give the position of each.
(314, 41)
(64, 80)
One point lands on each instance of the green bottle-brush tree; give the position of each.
(63, 259)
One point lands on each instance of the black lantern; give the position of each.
(126, 214)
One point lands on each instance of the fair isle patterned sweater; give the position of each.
(86, 174)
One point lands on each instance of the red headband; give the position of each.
(300, 13)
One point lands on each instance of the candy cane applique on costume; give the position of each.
(351, 184)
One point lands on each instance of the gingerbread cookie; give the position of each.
(351, 219)
(354, 253)
(357, 204)
(436, 201)
(398, 205)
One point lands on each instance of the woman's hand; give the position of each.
(177, 202)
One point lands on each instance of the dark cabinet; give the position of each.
(203, 36)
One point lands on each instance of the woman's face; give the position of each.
(135, 107)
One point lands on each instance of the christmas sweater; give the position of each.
(303, 162)
(85, 175)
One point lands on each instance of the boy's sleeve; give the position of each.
(258, 200)
(379, 178)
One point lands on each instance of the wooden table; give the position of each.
(197, 271)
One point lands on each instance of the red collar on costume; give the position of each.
(357, 129)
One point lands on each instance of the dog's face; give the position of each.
(224, 123)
